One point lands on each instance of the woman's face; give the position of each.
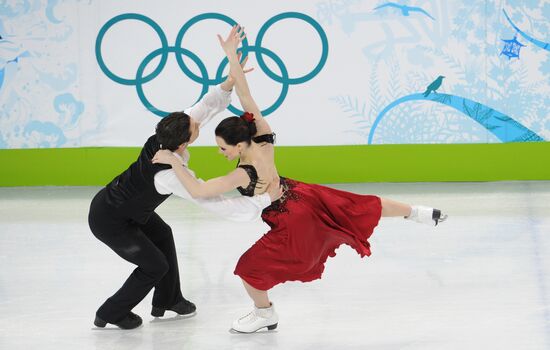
(230, 152)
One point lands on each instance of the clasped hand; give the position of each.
(165, 156)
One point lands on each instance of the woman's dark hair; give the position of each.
(173, 130)
(235, 129)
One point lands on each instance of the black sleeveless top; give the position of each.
(133, 192)
(250, 170)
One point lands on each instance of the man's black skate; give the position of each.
(129, 321)
(184, 307)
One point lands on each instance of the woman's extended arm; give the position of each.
(210, 188)
(229, 46)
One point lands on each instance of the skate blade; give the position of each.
(264, 329)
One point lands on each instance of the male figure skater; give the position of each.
(122, 215)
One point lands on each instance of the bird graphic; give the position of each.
(436, 84)
(405, 9)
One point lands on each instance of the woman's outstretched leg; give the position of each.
(394, 208)
(417, 213)
(263, 315)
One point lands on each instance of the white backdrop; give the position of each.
(54, 92)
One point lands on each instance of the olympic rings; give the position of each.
(204, 79)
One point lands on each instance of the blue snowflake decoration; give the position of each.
(511, 48)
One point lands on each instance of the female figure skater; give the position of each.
(307, 223)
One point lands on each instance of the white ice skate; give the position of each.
(426, 215)
(257, 319)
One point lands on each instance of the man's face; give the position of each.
(193, 129)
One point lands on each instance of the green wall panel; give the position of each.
(319, 164)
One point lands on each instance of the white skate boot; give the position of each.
(426, 215)
(257, 319)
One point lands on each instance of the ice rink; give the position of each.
(481, 280)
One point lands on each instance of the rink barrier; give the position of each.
(317, 164)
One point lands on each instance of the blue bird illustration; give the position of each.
(405, 9)
(436, 84)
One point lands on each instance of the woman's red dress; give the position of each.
(307, 225)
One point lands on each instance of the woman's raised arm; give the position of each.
(229, 45)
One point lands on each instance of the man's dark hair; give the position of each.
(173, 130)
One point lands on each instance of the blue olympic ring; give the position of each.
(315, 25)
(120, 18)
(204, 79)
(182, 32)
(145, 62)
